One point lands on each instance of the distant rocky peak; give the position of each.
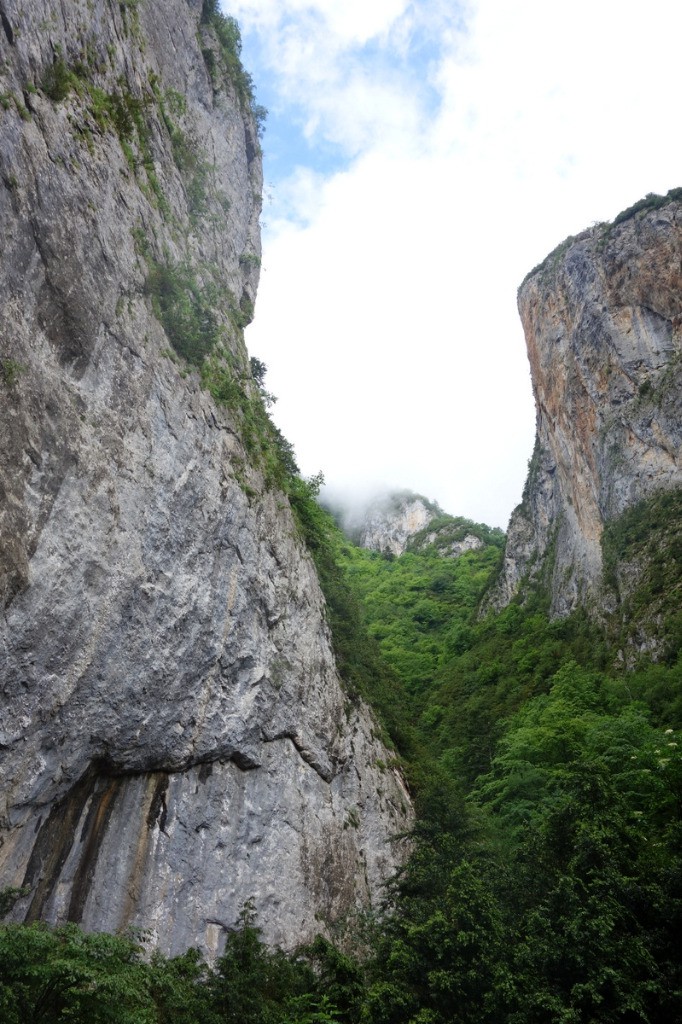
(398, 521)
(391, 521)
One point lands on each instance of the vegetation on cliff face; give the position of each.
(225, 59)
(642, 559)
(651, 201)
(196, 310)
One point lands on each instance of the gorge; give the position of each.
(443, 748)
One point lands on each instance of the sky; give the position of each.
(420, 157)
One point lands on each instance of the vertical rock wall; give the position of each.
(603, 323)
(174, 737)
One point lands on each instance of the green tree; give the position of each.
(255, 985)
(181, 989)
(585, 794)
(65, 975)
(441, 957)
(599, 941)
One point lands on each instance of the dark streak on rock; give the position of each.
(93, 832)
(53, 843)
(158, 809)
(7, 27)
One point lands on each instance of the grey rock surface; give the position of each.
(174, 735)
(603, 324)
(390, 522)
(448, 548)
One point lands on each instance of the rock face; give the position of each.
(390, 521)
(603, 324)
(403, 521)
(451, 541)
(174, 737)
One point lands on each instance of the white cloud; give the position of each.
(346, 97)
(356, 21)
(387, 305)
(349, 22)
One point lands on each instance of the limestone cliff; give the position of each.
(603, 323)
(400, 521)
(389, 521)
(174, 737)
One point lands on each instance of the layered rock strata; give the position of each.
(603, 323)
(174, 737)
